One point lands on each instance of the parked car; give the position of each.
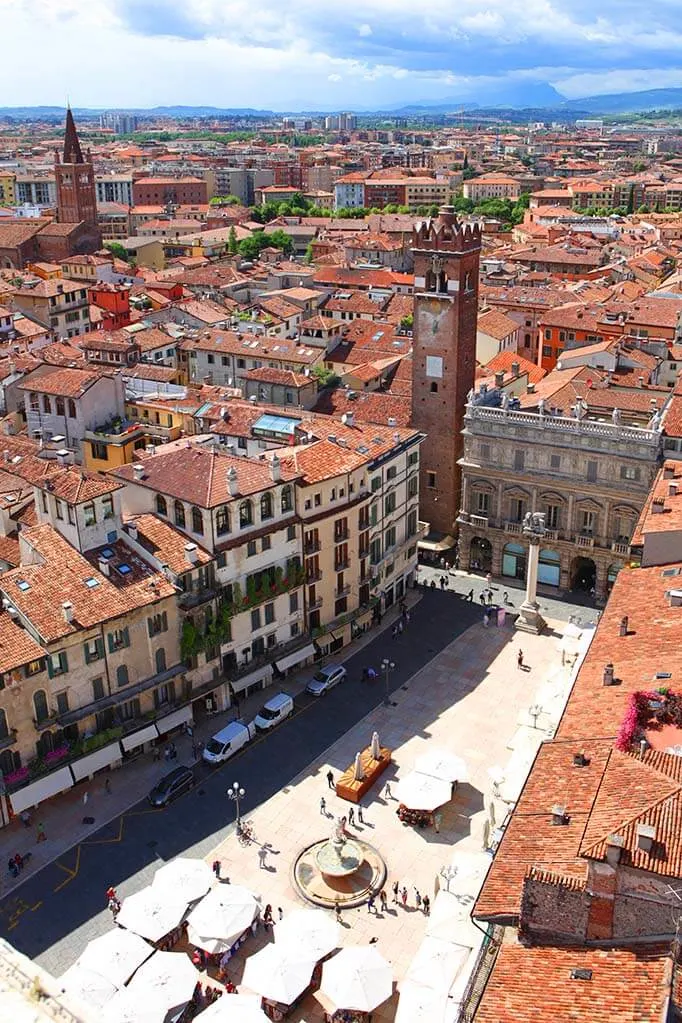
(275, 710)
(325, 679)
(171, 785)
(227, 742)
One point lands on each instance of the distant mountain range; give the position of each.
(530, 96)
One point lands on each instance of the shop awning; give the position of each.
(264, 673)
(138, 738)
(96, 761)
(174, 720)
(296, 658)
(42, 789)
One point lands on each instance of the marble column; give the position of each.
(529, 618)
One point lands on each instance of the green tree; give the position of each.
(308, 258)
(232, 241)
(250, 247)
(281, 240)
(325, 377)
(117, 250)
(407, 322)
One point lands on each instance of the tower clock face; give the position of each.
(431, 318)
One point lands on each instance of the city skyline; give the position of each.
(362, 56)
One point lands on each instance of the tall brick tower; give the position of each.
(75, 175)
(446, 256)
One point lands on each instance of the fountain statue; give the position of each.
(376, 746)
(358, 771)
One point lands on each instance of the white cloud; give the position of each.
(364, 30)
(334, 78)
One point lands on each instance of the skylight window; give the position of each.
(91, 583)
(106, 553)
(23, 585)
(123, 569)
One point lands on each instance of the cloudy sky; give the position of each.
(331, 54)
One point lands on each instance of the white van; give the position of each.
(274, 711)
(227, 741)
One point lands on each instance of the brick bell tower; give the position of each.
(446, 256)
(75, 176)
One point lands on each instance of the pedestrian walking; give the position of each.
(489, 580)
(437, 818)
(26, 818)
(351, 816)
(426, 905)
(330, 779)
(267, 916)
(323, 805)
(280, 913)
(433, 584)
(157, 753)
(387, 790)
(195, 751)
(394, 631)
(505, 597)
(41, 836)
(262, 854)
(370, 904)
(417, 898)
(360, 817)
(519, 660)
(403, 896)
(216, 868)
(407, 618)
(337, 912)
(486, 620)
(383, 899)
(470, 595)
(481, 597)
(371, 674)
(400, 628)
(86, 796)
(396, 891)
(490, 597)
(107, 786)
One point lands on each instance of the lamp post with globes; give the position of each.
(388, 667)
(235, 793)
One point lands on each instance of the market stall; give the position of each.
(281, 975)
(152, 913)
(220, 922)
(419, 795)
(354, 982)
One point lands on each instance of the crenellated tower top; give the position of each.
(445, 233)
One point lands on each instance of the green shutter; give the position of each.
(164, 621)
(110, 639)
(63, 662)
(150, 627)
(126, 637)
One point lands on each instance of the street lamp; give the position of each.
(235, 792)
(388, 667)
(448, 874)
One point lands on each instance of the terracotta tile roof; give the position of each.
(354, 446)
(372, 407)
(16, 646)
(62, 353)
(353, 302)
(9, 550)
(286, 377)
(502, 362)
(76, 486)
(535, 985)
(15, 232)
(669, 517)
(199, 476)
(496, 324)
(167, 543)
(60, 574)
(55, 286)
(672, 421)
(67, 383)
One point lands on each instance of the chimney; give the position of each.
(675, 598)
(672, 490)
(515, 368)
(668, 472)
(607, 677)
(67, 608)
(132, 530)
(559, 815)
(151, 449)
(657, 505)
(640, 381)
(232, 484)
(103, 566)
(623, 627)
(646, 834)
(499, 378)
(350, 419)
(580, 760)
(138, 471)
(276, 469)
(191, 553)
(530, 388)
(5, 455)
(614, 846)
(63, 456)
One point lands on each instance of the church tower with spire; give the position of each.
(75, 177)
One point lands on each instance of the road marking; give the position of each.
(72, 872)
(16, 909)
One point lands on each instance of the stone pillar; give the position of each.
(529, 618)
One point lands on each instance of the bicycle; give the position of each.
(246, 833)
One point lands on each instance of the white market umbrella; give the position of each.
(89, 987)
(278, 973)
(447, 912)
(221, 917)
(234, 1009)
(437, 964)
(151, 913)
(309, 931)
(422, 792)
(125, 1007)
(115, 955)
(357, 978)
(165, 982)
(184, 877)
(419, 1004)
(439, 763)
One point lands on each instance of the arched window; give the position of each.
(160, 660)
(4, 730)
(122, 675)
(245, 514)
(287, 499)
(222, 521)
(179, 513)
(40, 705)
(266, 506)
(161, 505)
(197, 520)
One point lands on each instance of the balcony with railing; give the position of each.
(515, 528)
(620, 548)
(479, 521)
(342, 591)
(340, 535)
(584, 540)
(314, 604)
(341, 563)
(311, 546)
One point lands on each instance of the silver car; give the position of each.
(325, 679)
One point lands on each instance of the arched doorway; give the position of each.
(549, 568)
(480, 554)
(583, 574)
(514, 561)
(611, 574)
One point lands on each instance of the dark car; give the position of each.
(171, 785)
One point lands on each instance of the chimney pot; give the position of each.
(668, 472)
(499, 378)
(607, 678)
(623, 627)
(103, 566)
(515, 368)
(132, 530)
(67, 608)
(276, 469)
(579, 760)
(657, 505)
(646, 834)
(672, 489)
(138, 471)
(232, 483)
(559, 816)
(191, 552)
